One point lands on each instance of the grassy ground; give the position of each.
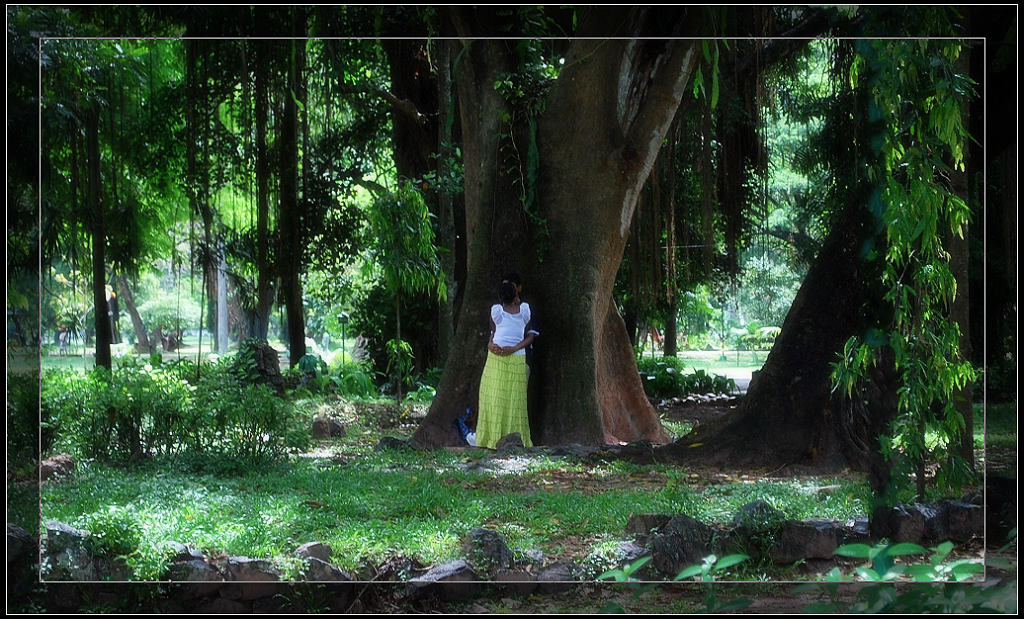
(732, 363)
(370, 505)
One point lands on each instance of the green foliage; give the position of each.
(761, 528)
(23, 420)
(882, 558)
(353, 380)
(625, 573)
(169, 311)
(400, 359)
(402, 249)
(711, 54)
(946, 592)
(918, 98)
(137, 410)
(705, 572)
(248, 424)
(664, 378)
(425, 386)
(696, 315)
(113, 531)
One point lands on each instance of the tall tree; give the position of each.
(264, 277)
(875, 301)
(97, 227)
(584, 160)
(291, 217)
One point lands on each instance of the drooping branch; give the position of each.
(403, 106)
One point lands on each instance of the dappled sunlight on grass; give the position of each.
(420, 504)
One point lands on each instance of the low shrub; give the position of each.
(353, 380)
(248, 423)
(23, 419)
(141, 410)
(113, 531)
(664, 378)
(71, 407)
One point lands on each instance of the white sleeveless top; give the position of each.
(510, 328)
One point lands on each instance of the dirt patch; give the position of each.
(694, 414)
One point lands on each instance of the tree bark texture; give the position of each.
(603, 122)
(445, 201)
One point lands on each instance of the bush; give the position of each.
(23, 419)
(249, 423)
(115, 415)
(144, 410)
(353, 380)
(149, 409)
(702, 382)
(664, 378)
(72, 409)
(113, 531)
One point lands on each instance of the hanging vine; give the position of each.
(917, 99)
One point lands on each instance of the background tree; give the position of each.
(403, 252)
(809, 426)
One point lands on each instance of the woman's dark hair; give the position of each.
(507, 292)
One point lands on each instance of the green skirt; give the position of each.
(502, 400)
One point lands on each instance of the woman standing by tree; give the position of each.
(503, 384)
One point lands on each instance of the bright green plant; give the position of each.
(918, 99)
(72, 413)
(625, 574)
(403, 254)
(247, 423)
(882, 558)
(938, 587)
(118, 415)
(354, 380)
(663, 377)
(400, 361)
(113, 531)
(702, 382)
(705, 572)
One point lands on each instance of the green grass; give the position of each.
(737, 364)
(74, 359)
(1000, 425)
(369, 506)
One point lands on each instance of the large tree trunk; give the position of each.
(604, 120)
(789, 415)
